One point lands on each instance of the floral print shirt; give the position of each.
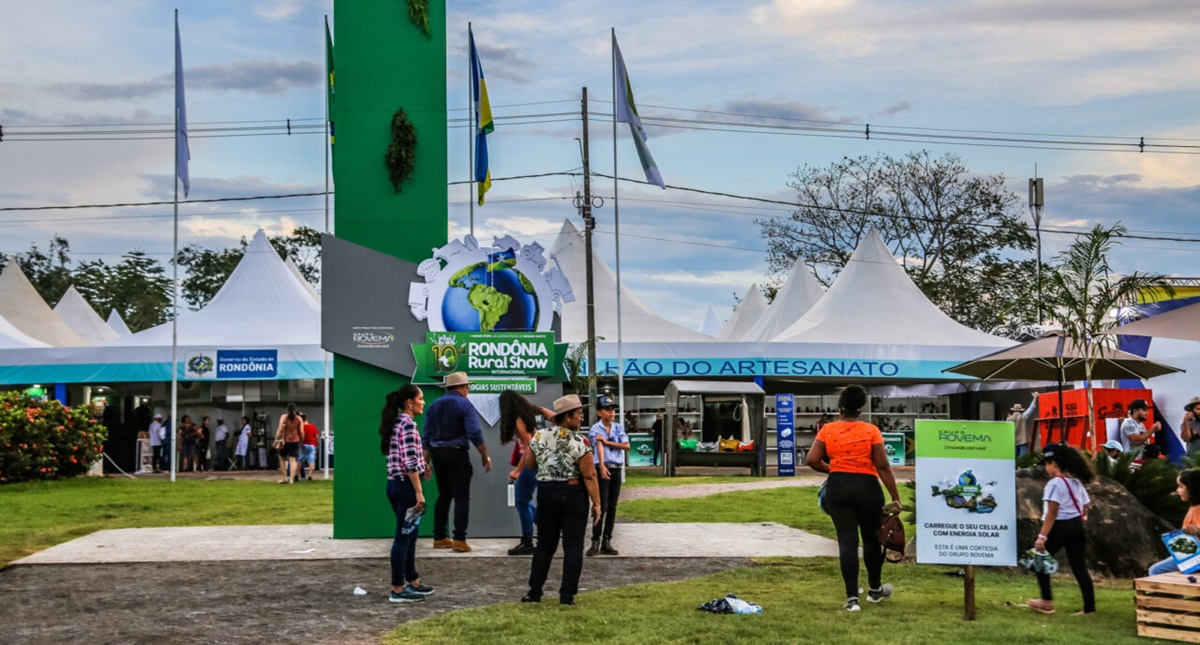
(558, 451)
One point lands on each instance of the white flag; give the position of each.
(626, 111)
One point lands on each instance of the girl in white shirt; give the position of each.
(1066, 505)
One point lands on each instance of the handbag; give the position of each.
(891, 537)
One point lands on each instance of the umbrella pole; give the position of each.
(1062, 423)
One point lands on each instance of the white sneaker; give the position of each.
(884, 591)
(852, 604)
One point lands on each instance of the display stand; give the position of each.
(746, 401)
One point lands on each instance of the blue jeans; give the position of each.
(403, 496)
(1022, 449)
(1166, 566)
(524, 489)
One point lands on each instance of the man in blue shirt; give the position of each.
(609, 443)
(451, 428)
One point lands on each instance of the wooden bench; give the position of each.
(1168, 607)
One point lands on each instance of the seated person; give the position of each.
(1114, 449)
(1188, 489)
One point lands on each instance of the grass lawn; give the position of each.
(801, 600)
(42, 514)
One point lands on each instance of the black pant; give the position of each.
(610, 494)
(452, 473)
(156, 454)
(1070, 534)
(855, 502)
(562, 510)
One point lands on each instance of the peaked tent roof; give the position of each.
(873, 301)
(745, 316)
(82, 319)
(21, 304)
(798, 295)
(638, 322)
(261, 304)
(117, 323)
(11, 337)
(303, 282)
(711, 326)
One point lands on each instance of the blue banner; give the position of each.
(247, 363)
(806, 367)
(785, 434)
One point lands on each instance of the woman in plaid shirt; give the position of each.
(401, 442)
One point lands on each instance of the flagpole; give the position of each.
(471, 129)
(175, 277)
(328, 355)
(617, 237)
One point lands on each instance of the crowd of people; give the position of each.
(205, 447)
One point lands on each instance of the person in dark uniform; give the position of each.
(451, 428)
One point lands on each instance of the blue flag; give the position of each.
(182, 154)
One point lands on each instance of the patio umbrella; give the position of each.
(1183, 322)
(1056, 358)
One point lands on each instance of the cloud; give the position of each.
(894, 109)
(259, 77)
(277, 10)
(772, 112)
(500, 61)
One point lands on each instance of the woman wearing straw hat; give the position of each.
(563, 461)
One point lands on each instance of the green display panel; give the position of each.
(384, 62)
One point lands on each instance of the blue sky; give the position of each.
(1097, 68)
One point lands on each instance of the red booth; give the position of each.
(1110, 403)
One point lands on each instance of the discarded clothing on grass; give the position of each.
(730, 604)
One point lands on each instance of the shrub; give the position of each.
(45, 440)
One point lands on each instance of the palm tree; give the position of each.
(1084, 296)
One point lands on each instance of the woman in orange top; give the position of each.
(853, 498)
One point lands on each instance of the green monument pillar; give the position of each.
(384, 62)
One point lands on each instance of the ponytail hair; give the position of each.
(291, 413)
(393, 405)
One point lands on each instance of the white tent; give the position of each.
(874, 301)
(21, 304)
(638, 322)
(11, 337)
(745, 316)
(795, 298)
(711, 326)
(82, 319)
(260, 310)
(308, 288)
(117, 323)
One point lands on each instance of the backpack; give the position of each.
(891, 537)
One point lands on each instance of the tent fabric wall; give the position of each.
(117, 323)
(795, 298)
(748, 312)
(11, 337)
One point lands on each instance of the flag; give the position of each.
(329, 83)
(483, 122)
(182, 154)
(626, 112)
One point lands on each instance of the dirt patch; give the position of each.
(277, 602)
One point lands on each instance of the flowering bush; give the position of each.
(45, 440)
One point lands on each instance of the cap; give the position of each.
(1051, 452)
(605, 402)
(1113, 444)
(158, 415)
(1139, 404)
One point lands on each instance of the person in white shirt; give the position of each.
(1133, 433)
(220, 437)
(1064, 516)
(243, 445)
(156, 437)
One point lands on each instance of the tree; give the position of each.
(962, 236)
(208, 269)
(48, 271)
(1082, 294)
(136, 287)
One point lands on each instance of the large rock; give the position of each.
(1124, 537)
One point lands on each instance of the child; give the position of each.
(1188, 489)
(1066, 505)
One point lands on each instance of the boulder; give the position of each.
(1124, 537)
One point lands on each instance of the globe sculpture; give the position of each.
(490, 296)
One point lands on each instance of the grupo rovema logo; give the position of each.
(505, 287)
(372, 338)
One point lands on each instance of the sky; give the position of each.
(86, 99)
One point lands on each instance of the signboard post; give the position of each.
(966, 496)
(785, 434)
(893, 445)
(641, 449)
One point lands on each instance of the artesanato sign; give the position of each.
(966, 493)
(489, 310)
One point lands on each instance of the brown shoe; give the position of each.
(444, 543)
(460, 546)
(1041, 606)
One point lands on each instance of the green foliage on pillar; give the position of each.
(384, 63)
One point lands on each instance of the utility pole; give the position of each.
(584, 204)
(1037, 200)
